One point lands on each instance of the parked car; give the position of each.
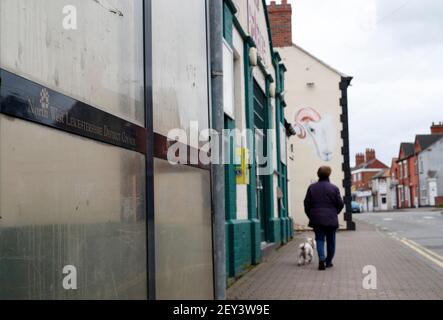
(356, 208)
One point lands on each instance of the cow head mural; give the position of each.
(318, 129)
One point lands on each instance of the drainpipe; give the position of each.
(218, 171)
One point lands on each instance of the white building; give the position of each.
(430, 168)
(381, 191)
(317, 107)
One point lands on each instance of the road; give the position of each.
(421, 229)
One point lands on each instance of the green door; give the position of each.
(260, 150)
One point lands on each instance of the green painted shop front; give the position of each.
(245, 238)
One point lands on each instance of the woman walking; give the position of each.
(323, 204)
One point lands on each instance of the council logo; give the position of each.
(44, 98)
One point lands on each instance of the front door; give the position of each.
(260, 152)
(432, 193)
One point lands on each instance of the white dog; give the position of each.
(306, 251)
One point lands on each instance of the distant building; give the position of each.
(429, 151)
(394, 172)
(408, 180)
(381, 191)
(366, 167)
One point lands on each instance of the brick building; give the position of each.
(366, 167)
(407, 177)
(395, 168)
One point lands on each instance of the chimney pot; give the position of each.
(370, 154)
(437, 128)
(359, 159)
(280, 20)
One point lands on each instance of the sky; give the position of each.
(394, 51)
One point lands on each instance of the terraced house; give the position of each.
(429, 153)
(256, 195)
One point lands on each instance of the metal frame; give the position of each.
(150, 216)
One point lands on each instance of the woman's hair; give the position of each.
(324, 172)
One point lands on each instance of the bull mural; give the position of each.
(318, 130)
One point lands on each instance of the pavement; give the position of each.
(404, 269)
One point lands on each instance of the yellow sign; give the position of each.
(241, 171)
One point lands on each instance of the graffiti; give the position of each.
(319, 130)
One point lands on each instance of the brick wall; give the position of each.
(280, 19)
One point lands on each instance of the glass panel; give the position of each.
(283, 144)
(180, 75)
(66, 200)
(183, 235)
(183, 224)
(100, 63)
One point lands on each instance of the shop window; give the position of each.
(228, 80)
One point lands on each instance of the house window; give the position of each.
(228, 80)
(284, 146)
(423, 193)
(407, 194)
(405, 169)
(383, 200)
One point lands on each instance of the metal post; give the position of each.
(218, 172)
(150, 226)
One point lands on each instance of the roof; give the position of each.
(321, 62)
(427, 140)
(382, 174)
(408, 150)
(368, 165)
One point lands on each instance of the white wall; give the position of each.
(324, 97)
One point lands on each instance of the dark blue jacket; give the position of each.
(323, 204)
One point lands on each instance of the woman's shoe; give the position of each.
(329, 265)
(321, 266)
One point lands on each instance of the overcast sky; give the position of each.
(394, 51)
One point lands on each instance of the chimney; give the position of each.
(437, 128)
(370, 154)
(280, 19)
(359, 159)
